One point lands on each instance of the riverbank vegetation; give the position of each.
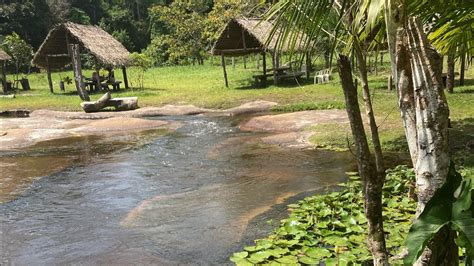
(332, 227)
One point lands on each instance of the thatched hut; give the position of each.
(4, 57)
(55, 51)
(245, 36)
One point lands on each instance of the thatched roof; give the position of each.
(95, 40)
(4, 56)
(245, 36)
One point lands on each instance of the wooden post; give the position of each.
(390, 82)
(245, 48)
(125, 78)
(233, 62)
(48, 70)
(4, 77)
(76, 65)
(225, 72)
(264, 66)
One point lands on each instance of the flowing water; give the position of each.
(189, 197)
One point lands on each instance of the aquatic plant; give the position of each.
(331, 228)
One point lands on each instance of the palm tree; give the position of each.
(415, 68)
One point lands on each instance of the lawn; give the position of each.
(199, 85)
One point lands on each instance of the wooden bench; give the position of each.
(115, 85)
(322, 76)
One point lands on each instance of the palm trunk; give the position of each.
(367, 170)
(424, 111)
(432, 158)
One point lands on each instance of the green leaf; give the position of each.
(288, 260)
(308, 260)
(243, 262)
(278, 252)
(239, 256)
(437, 213)
(463, 217)
(259, 256)
(253, 248)
(319, 253)
(335, 240)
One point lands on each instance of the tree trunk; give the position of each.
(76, 64)
(327, 55)
(405, 92)
(369, 110)
(432, 158)
(370, 178)
(462, 70)
(4, 77)
(450, 77)
(394, 19)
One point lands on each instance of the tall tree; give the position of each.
(31, 19)
(415, 67)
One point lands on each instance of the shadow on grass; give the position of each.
(461, 140)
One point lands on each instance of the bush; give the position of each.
(20, 51)
(143, 63)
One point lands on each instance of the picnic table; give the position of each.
(280, 73)
(104, 84)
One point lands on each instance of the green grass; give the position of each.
(199, 85)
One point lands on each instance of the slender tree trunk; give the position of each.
(432, 158)
(394, 18)
(462, 70)
(369, 110)
(450, 77)
(366, 166)
(327, 55)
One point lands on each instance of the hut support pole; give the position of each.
(264, 66)
(4, 77)
(125, 78)
(76, 65)
(48, 71)
(225, 72)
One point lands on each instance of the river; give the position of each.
(193, 196)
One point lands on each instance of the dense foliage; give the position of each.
(19, 50)
(168, 31)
